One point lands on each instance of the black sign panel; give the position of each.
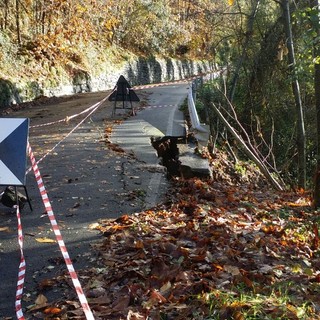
(13, 150)
(123, 91)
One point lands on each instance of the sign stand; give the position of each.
(123, 92)
(27, 195)
(13, 154)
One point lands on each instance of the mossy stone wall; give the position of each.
(138, 71)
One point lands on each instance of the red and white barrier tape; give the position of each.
(161, 84)
(159, 106)
(56, 230)
(68, 118)
(168, 83)
(96, 106)
(139, 87)
(22, 269)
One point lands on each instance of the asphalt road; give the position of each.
(86, 181)
(161, 117)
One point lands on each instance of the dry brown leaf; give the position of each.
(94, 226)
(102, 300)
(52, 310)
(135, 316)
(108, 130)
(46, 283)
(121, 303)
(139, 244)
(155, 298)
(167, 286)
(45, 240)
(41, 300)
(5, 229)
(233, 270)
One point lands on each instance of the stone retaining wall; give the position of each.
(137, 71)
(140, 71)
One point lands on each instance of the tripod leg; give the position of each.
(17, 197)
(25, 190)
(114, 108)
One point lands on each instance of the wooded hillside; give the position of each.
(40, 37)
(46, 43)
(63, 28)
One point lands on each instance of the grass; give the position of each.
(275, 303)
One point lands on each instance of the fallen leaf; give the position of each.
(45, 240)
(121, 303)
(155, 298)
(135, 316)
(165, 287)
(46, 283)
(139, 244)
(52, 310)
(5, 229)
(265, 268)
(94, 225)
(232, 270)
(165, 260)
(41, 300)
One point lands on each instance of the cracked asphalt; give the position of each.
(86, 181)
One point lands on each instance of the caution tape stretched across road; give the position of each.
(138, 87)
(68, 118)
(92, 109)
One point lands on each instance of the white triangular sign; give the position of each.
(7, 175)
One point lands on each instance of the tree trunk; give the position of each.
(18, 22)
(244, 49)
(6, 14)
(301, 136)
(316, 191)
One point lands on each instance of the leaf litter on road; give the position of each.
(222, 249)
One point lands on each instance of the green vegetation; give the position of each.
(256, 95)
